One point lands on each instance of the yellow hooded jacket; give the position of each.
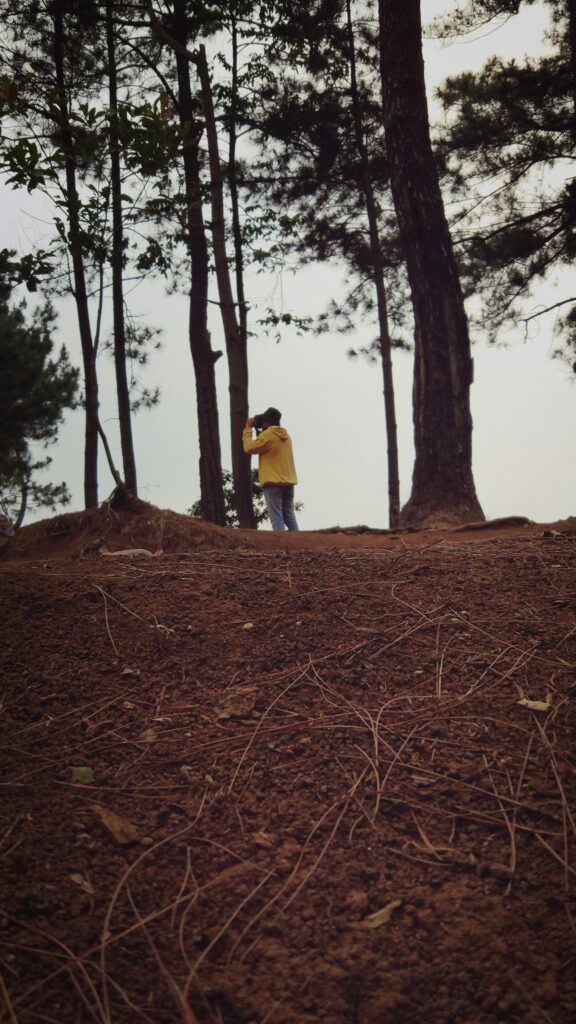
(276, 461)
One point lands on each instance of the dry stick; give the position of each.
(187, 873)
(554, 764)
(83, 998)
(188, 1016)
(19, 780)
(104, 704)
(398, 753)
(223, 930)
(364, 715)
(302, 675)
(275, 1006)
(530, 653)
(566, 812)
(182, 925)
(519, 785)
(363, 812)
(529, 998)
(152, 916)
(124, 995)
(293, 874)
(428, 846)
(509, 825)
(68, 955)
(375, 770)
(555, 854)
(124, 878)
(570, 920)
(440, 666)
(152, 625)
(8, 1002)
(567, 637)
(104, 595)
(320, 856)
(420, 769)
(473, 625)
(402, 636)
(523, 658)
(368, 721)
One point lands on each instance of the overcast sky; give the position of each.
(523, 402)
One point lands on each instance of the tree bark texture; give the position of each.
(122, 387)
(442, 485)
(236, 352)
(78, 272)
(203, 356)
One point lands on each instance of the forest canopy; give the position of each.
(205, 145)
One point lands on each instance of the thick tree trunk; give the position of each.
(378, 276)
(79, 277)
(442, 485)
(235, 348)
(122, 387)
(203, 356)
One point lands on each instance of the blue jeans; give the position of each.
(279, 500)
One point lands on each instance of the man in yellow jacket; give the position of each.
(276, 472)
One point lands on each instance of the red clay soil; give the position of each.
(254, 778)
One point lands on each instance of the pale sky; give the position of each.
(523, 402)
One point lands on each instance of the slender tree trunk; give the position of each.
(572, 47)
(235, 201)
(378, 274)
(442, 485)
(79, 277)
(235, 344)
(122, 387)
(23, 505)
(111, 466)
(203, 356)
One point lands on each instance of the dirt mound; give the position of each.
(290, 786)
(127, 524)
(117, 526)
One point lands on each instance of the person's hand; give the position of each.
(250, 422)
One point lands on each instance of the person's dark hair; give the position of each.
(272, 416)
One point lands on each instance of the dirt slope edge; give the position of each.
(138, 525)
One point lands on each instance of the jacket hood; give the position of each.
(278, 432)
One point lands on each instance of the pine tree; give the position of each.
(508, 144)
(35, 389)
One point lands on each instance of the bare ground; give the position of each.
(261, 778)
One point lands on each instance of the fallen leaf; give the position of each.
(535, 705)
(82, 882)
(82, 773)
(263, 840)
(122, 831)
(382, 916)
(149, 736)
